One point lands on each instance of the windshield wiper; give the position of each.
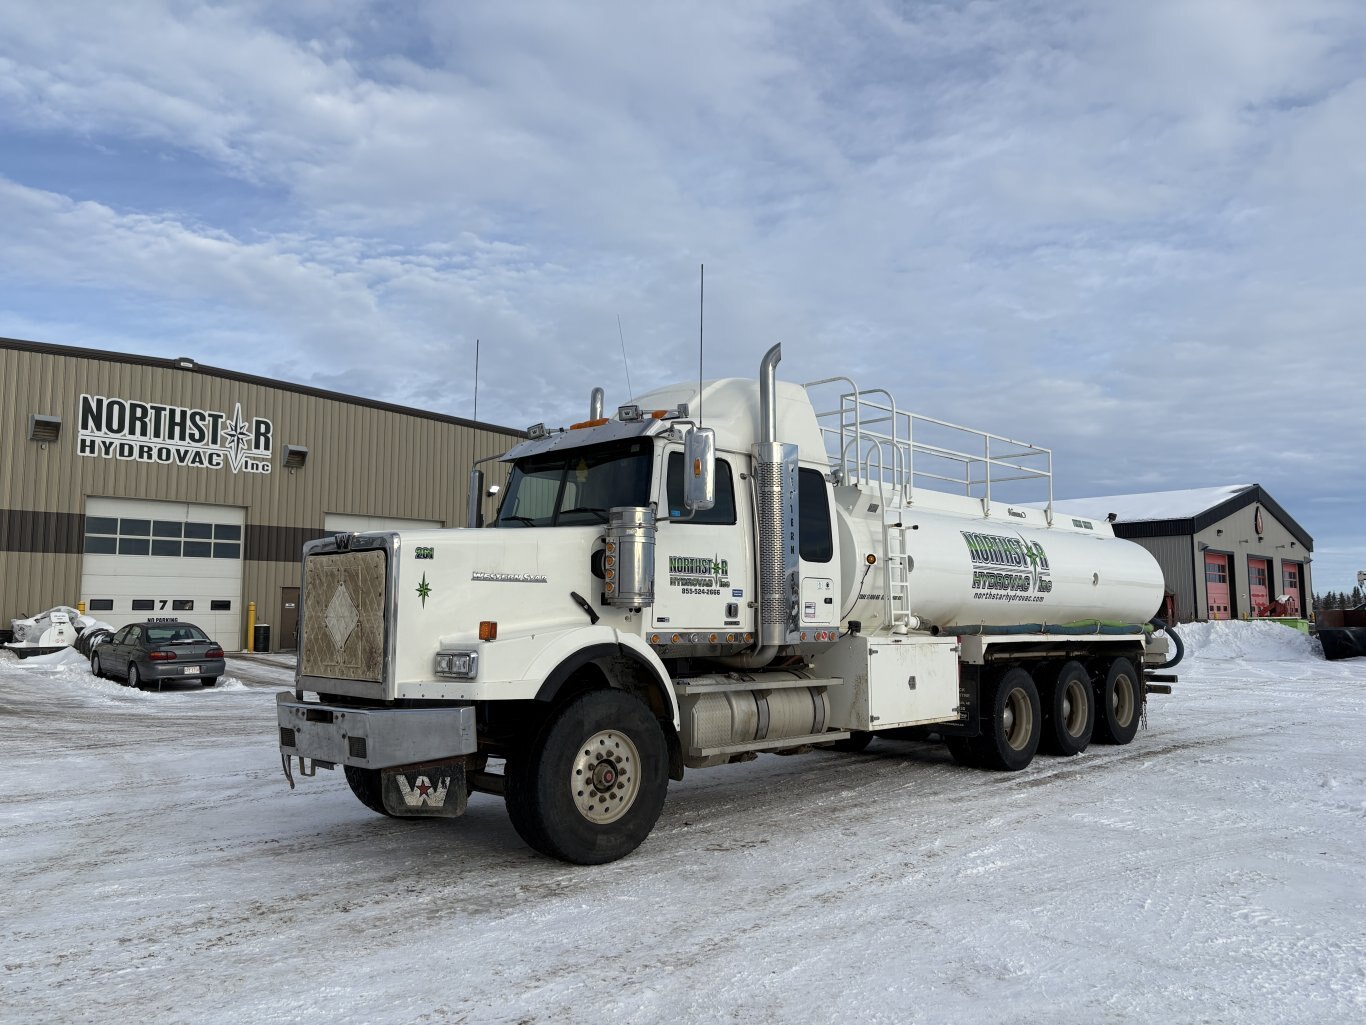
(602, 516)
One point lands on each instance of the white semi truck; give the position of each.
(655, 595)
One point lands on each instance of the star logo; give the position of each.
(236, 436)
(424, 590)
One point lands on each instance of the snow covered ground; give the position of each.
(157, 868)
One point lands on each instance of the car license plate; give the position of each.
(189, 670)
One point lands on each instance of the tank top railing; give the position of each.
(873, 443)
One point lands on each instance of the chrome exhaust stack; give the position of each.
(775, 494)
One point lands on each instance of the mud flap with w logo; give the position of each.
(435, 790)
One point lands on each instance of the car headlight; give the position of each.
(463, 665)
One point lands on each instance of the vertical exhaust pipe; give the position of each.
(775, 502)
(595, 402)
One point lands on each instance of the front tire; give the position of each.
(592, 785)
(1011, 722)
(365, 784)
(1119, 704)
(133, 680)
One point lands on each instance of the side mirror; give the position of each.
(473, 514)
(699, 469)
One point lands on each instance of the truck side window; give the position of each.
(813, 517)
(724, 509)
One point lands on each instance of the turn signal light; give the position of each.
(488, 630)
(161, 656)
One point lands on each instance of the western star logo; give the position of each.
(149, 432)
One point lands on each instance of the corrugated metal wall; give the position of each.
(1173, 554)
(361, 459)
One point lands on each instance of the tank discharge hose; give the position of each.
(1159, 624)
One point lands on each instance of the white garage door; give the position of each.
(165, 560)
(335, 522)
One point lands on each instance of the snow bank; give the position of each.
(1259, 641)
(65, 657)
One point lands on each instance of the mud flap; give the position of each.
(434, 790)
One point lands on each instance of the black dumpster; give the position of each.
(261, 638)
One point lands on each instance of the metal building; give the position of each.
(154, 488)
(1226, 552)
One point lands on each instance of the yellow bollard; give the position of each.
(251, 626)
(80, 607)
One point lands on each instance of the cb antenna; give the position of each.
(476, 379)
(701, 306)
(629, 392)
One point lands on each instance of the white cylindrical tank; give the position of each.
(966, 570)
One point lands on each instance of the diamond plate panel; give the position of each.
(344, 601)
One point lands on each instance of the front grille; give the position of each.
(344, 597)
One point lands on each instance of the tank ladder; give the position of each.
(897, 598)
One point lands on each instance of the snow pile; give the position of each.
(65, 657)
(1259, 641)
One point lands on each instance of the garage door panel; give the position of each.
(209, 590)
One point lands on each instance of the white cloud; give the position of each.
(1128, 231)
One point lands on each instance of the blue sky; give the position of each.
(1130, 232)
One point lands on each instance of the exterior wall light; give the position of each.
(295, 457)
(44, 428)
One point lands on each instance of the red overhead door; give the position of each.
(1291, 573)
(1216, 586)
(1258, 586)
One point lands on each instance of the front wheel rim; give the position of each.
(605, 776)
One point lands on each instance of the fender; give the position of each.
(558, 662)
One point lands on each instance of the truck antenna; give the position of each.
(701, 305)
(629, 392)
(476, 379)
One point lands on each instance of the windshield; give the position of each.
(578, 487)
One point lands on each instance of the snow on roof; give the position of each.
(1157, 505)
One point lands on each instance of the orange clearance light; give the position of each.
(488, 630)
(677, 638)
(654, 638)
(870, 559)
(611, 546)
(713, 638)
(697, 467)
(659, 414)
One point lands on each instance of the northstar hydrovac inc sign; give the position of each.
(150, 432)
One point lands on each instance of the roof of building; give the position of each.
(186, 363)
(1163, 513)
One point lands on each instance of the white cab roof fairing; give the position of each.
(613, 430)
(730, 406)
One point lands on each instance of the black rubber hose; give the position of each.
(1159, 624)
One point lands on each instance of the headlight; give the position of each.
(463, 665)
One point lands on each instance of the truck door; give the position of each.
(819, 595)
(704, 564)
